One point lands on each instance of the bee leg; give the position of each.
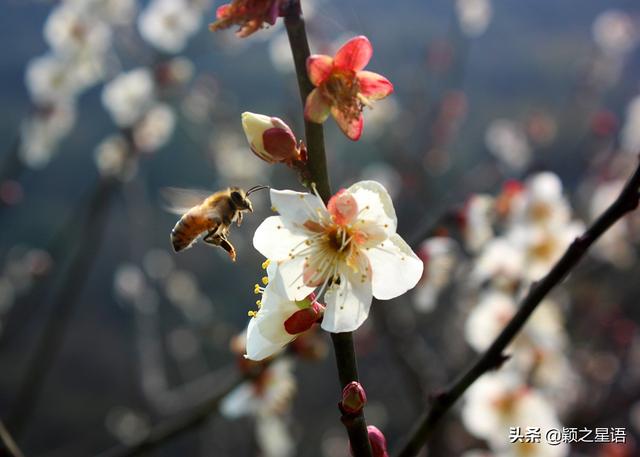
(221, 240)
(239, 220)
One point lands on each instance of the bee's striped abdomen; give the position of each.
(185, 232)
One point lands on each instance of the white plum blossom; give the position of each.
(128, 96)
(630, 134)
(49, 79)
(543, 334)
(615, 32)
(477, 221)
(42, 132)
(541, 202)
(498, 401)
(71, 31)
(113, 159)
(474, 16)
(543, 246)
(279, 320)
(168, 24)
(267, 398)
(499, 261)
(267, 395)
(155, 128)
(507, 141)
(440, 256)
(115, 12)
(348, 249)
(613, 245)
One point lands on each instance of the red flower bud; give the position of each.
(378, 442)
(303, 320)
(271, 139)
(353, 398)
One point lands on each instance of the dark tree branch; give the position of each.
(493, 357)
(62, 309)
(177, 425)
(317, 170)
(7, 443)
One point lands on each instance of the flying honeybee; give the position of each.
(208, 214)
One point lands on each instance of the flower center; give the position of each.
(341, 89)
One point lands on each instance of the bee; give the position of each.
(208, 214)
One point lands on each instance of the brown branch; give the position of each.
(493, 357)
(165, 431)
(317, 170)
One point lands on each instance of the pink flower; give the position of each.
(250, 15)
(342, 88)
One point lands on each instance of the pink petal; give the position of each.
(319, 68)
(280, 144)
(222, 11)
(373, 85)
(354, 54)
(350, 127)
(316, 108)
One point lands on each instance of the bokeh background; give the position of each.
(485, 92)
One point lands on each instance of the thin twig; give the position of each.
(317, 169)
(177, 425)
(493, 357)
(63, 305)
(8, 444)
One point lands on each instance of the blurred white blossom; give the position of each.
(477, 221)
(113, 158)
(128, 96)
(498, 401)
(630, 134)
(155, 128)
(440, 256)
(507, 141)
(269, 394)
(614, 32)
(71, 31)
(41, 133)
(474, 16)
(168, 24)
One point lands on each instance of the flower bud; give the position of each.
(270, 138)
(378, 442)
(303, 320)
(353, 398)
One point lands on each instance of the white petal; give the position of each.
(347, 306)
(290, 275)
(259, 347)
(296, 208)
(239, 402)
(395, 268)
(274, 241)
(379, 208)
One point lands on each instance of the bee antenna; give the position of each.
(256, 188)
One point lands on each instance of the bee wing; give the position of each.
(179, 201)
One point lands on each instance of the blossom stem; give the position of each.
(314, 134)
(317, 173)
(493, 357)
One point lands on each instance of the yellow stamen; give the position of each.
(265, 264)
(257, 289)
(259, 303)
(251, 313)
(265, 280)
